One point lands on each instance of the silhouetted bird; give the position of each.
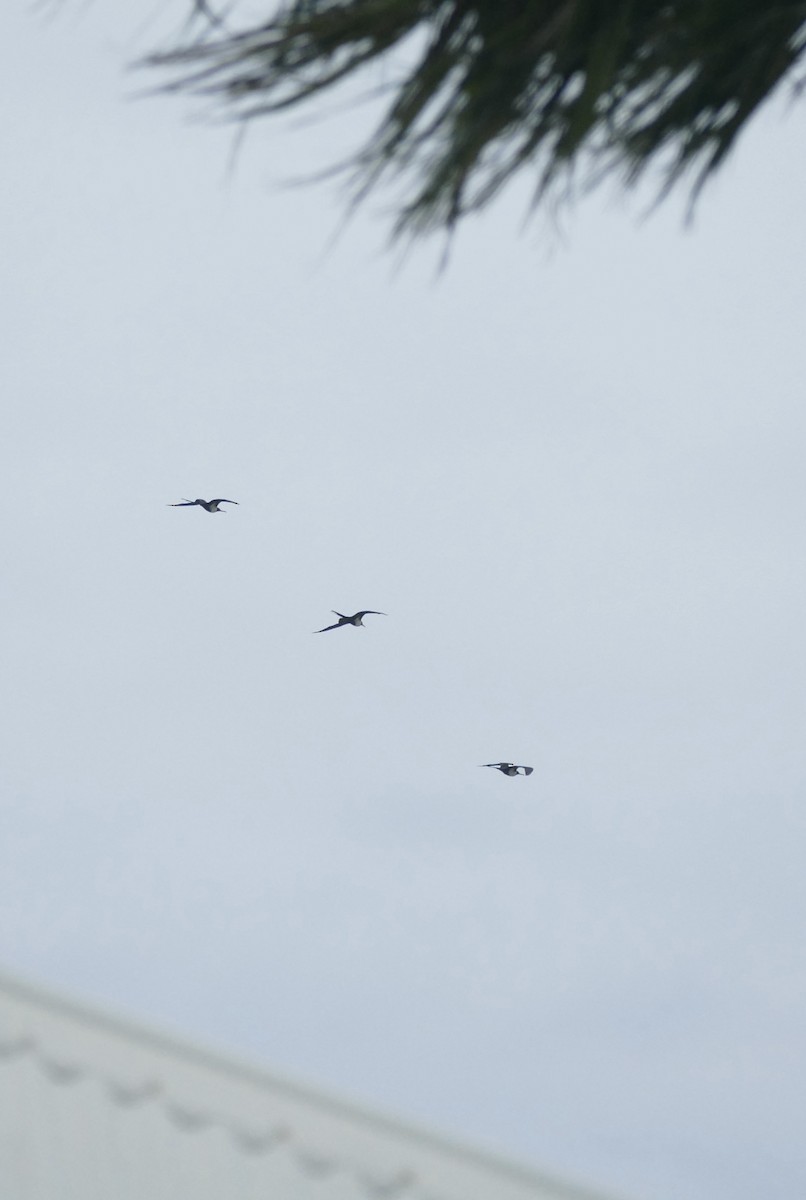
(356, 619)
(509, 768)
(208, 505)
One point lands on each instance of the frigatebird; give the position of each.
(356, 619)
(208, 505)
(508, 768)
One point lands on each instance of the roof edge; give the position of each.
(227, 1063)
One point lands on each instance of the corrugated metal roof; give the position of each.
(95, 1107)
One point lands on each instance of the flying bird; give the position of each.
(356, 619)
(208, 505)
(508, 768)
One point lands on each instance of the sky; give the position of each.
(569, 468)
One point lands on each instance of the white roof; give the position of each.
(93, 1107)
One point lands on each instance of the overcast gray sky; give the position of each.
(570, 469)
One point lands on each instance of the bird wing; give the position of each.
(370, 611)
(338, 625)
(501, 764)
(184, 504)
(221, 500)
(526, 770)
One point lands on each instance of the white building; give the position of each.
(95, 1108)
